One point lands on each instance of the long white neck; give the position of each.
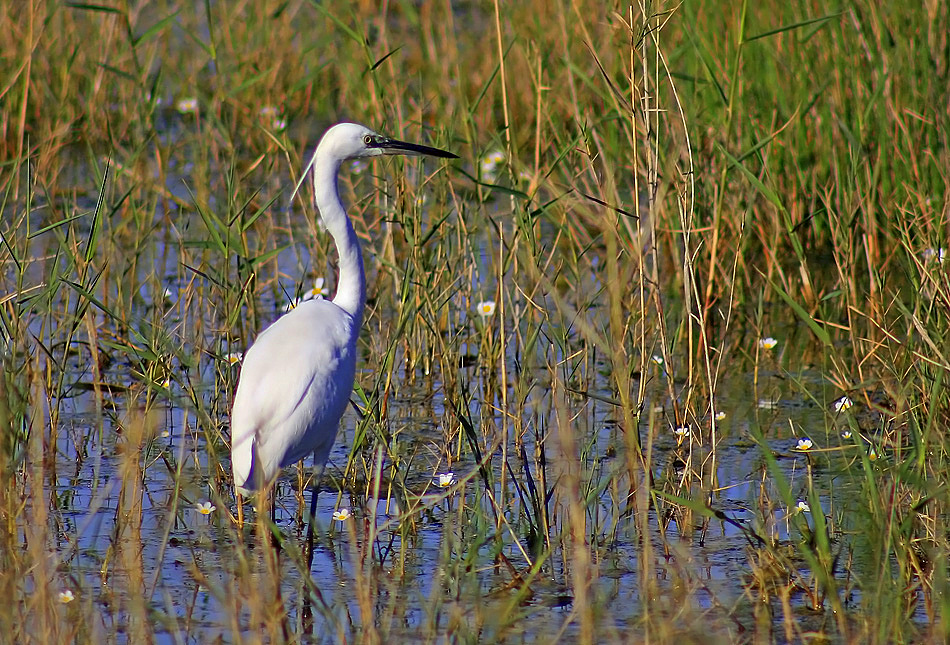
(351, 285)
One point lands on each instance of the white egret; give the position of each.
(297, 377)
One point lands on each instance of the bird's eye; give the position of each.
(368, 139)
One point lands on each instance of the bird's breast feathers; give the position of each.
(295, 380)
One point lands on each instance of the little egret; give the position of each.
(297, 377)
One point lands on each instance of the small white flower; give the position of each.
(166, 434)
(496, 157)
(720, 415)
(804, 444)
(66, 596)
(681, 433)
(843, 403)
(167, 383)
(206, 508)
(446, 479)
(486, 308)
(938, 254)
(489, 164)
(187, 105)
(872, 454)
(234, 358)
(271, 114)
(167, 295)
(846, 434)
(656, 358)
(319, 290)
(341, 515)
(768, 343)
(290, 306)
(803, 506)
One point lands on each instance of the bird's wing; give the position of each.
(295, 381)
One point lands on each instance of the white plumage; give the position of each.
(306, 362)
(297, 377)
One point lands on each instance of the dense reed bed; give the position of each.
(662, 357)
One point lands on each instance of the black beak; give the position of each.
(396, 147)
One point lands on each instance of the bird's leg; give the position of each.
(313, 516)
(240, 509)
(277, 537)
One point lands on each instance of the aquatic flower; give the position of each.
(485, 308)
(187, 105)
(656, 358)
(767, 342)
(271, 114)
(872, 454)
(803, 506)
(720, 415)
(167, 295)
(804, 444)
(167, 383)
(319, 290)
(489, 164)
(846, 434)
(843, 403)
(66, 596)
(341, 515)
(681, 433)
(446, 479)
(938, 254)
(234, 358)
(206, 508)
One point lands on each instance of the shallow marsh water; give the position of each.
(188, 557)
(447, 561)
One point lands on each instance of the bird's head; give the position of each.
(353, 141)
